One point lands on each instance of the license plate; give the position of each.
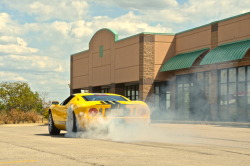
(117, 112)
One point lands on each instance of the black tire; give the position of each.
(74, 128)
(51, 126)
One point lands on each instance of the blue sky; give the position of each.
(37, 37)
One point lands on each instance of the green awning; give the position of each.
(183, 60)
(227, 52)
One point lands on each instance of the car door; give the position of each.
(60, 112)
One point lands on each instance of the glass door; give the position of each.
(184, 86)
(242, 95)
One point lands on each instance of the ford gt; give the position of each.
(80, 110)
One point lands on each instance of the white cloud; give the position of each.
(62, 27)
(51, 9)
(141, 4)
(7, 39)
(180, 17)
(67, 33)
(32, 63)
(128, 24)
(21, 42)
(195, 13)
(81, 28)
(6, 24)
(9, 76)
(56, 85)
(17, 49)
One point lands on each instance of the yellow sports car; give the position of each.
(80, 110)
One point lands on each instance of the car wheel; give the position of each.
(52, 128)
(71, 123)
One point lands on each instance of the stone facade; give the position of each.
(146, 70)
(214, 35)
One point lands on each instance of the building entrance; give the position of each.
(193, 96)
(234, 94)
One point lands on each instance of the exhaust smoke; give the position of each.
(120, 131)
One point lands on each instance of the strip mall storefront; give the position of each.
(198, 74)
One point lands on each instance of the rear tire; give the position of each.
(71, 123)
(51, 126)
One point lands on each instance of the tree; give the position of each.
(44, 97)
(18, 95)
(46, 103)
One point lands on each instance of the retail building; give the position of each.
(199, 74)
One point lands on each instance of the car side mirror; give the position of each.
(55, 102)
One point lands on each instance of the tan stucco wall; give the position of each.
(193, 40)
(164, 50)
(101, 75)
(234, 29)
(80, 82)
(127, 56)
(127, 60)
(120, 61)
(80, 66)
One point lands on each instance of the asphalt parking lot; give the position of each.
(157, 144)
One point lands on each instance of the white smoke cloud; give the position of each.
(117, 130)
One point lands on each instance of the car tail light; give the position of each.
(142, 112)
(93, 112)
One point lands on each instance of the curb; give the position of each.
(231, 124)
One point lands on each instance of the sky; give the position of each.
(37, 37)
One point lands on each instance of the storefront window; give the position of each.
(180, 97)
(248, 88)
(232, 75)
(157, 101)
(157, 89)
(128, 91)
(168, 100)
(132, 92)
(184, 88)
(162, 96)
(242, 74)
(207, 86)
(223, 76)
(137, 94)
(232, 86)
(248, 73)
(208, 78)
(223, 94)
(200, 77)
(234, 94)
(105, 90)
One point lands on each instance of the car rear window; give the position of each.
(103, 98)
